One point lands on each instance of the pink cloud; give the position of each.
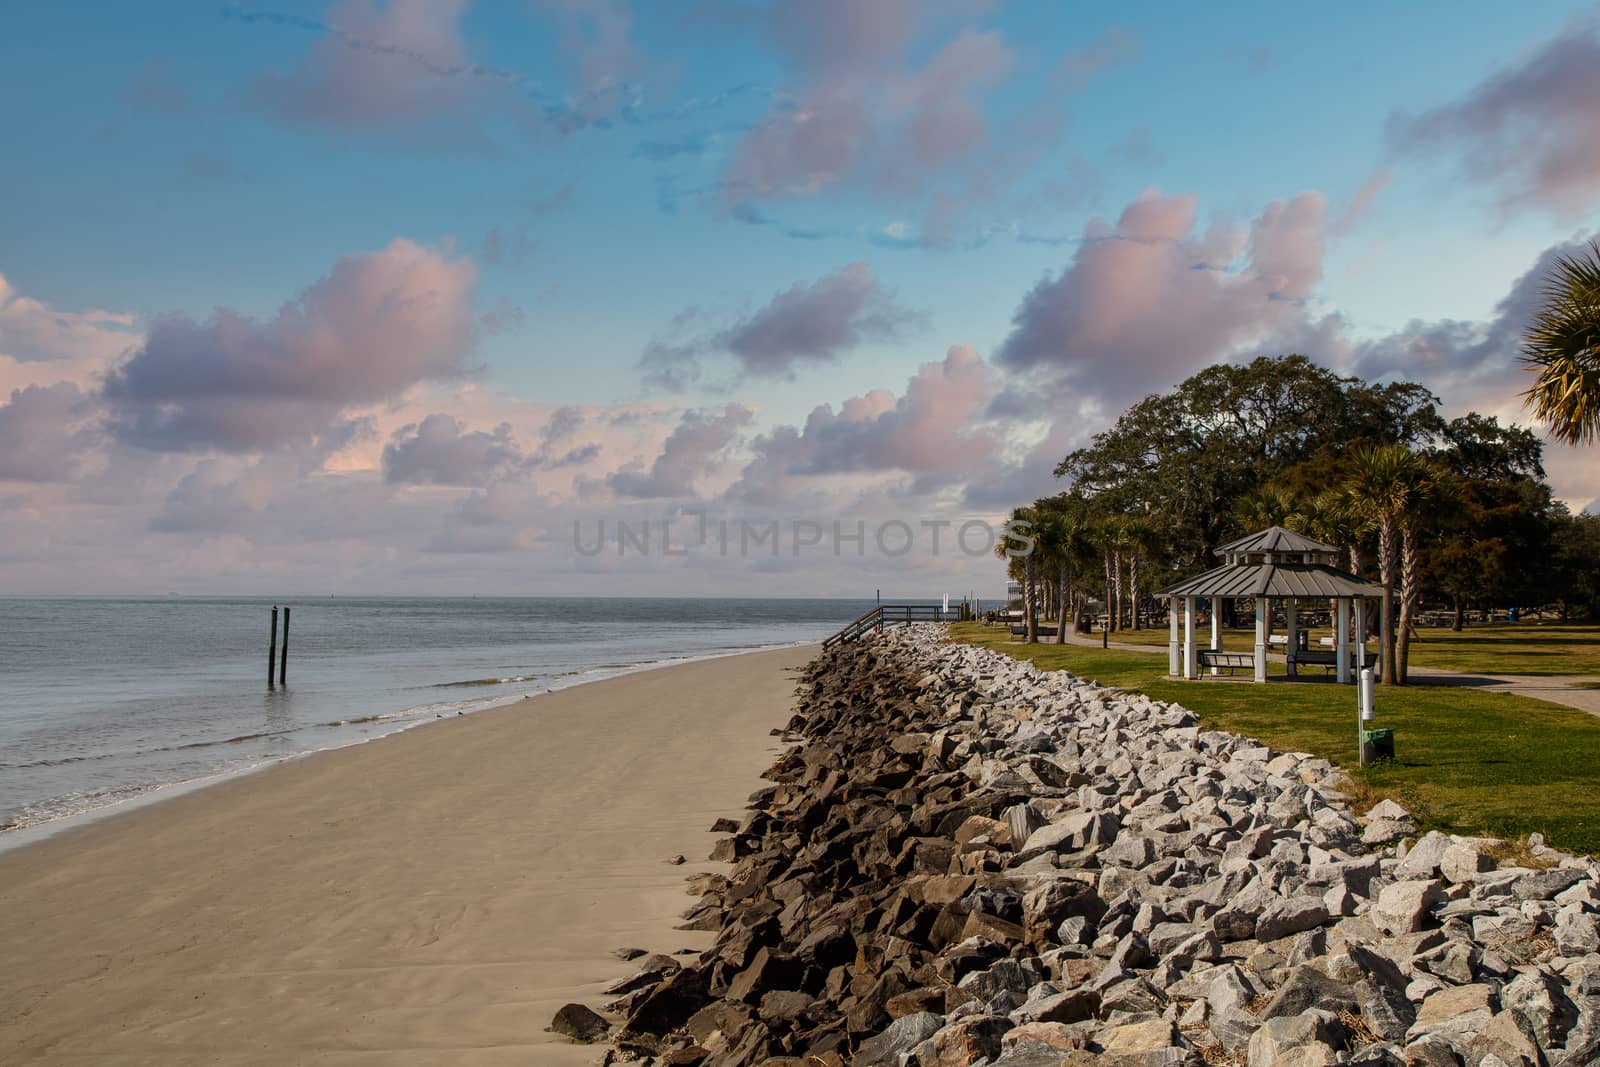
(1531, 131)
(861, 111)
(440, 451)
(1147, 301)
(816, 321)
(378, 323)
(385, 63)
(696, 449)
(45, 432)
(33, 331)
(931, 432)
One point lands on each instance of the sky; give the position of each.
(580, 297)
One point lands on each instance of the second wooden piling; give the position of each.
(283, 664)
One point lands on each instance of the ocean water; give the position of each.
(107, 700)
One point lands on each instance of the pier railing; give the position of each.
(891, 615)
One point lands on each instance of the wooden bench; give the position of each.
(1227, 661)
(1042, 630)
(1315, 657)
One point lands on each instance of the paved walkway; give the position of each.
(1558, 689)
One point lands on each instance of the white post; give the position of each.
(1190, 660)
(1174, 653)
(1291, 630)
(1364, 712)
(1216, 630)
(1341, 640)
(1263, 626)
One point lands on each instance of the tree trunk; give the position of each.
(1116, 601)
(1460, 621)
(1030, 596)
(1063, 602)
(1110, 603)
(1386, 568)
(1133, 588)
(1410, 594)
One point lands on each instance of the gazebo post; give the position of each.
(1360, 607)
(1263, 624)
(1216, 630)
(1341, 640)
(1291, 628)
(1189, 657)
(1174, 655)
(1385, 618)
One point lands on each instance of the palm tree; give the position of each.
(1268, 506)
(1430, 488)
(1390, 487)
(1140, 538)
(1332, 517)
(1377, 492)
(1563, 345)
(1061, 536)
(1107, 537)
(1028, 517)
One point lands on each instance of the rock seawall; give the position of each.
(963, 860)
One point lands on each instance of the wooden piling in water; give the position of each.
(272, 648)
(283, 664)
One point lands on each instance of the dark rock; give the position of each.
(581, 1023)
(902, 1035)
(1306, 989)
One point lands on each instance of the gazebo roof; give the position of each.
(1277, 539)
(1242, 580)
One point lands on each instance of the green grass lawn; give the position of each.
(1468, 762)
(1502, 648)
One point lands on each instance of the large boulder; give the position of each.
(1406, 907)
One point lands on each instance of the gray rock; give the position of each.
(1509, 1036)
(1382, 831)
(1388, 809)
(1543, 885)
(1463, 862)
(900, 1036)
(1291, 916)
(1306, 989)
(1233, 1027)
(1462, 1010)
(1305, 1040)
(1404, 907)
(1381, 993)
(1577, 934)
(1422, 861)
(1541, 999)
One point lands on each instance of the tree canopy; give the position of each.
(1279, 440)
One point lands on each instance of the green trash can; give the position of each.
(1379, 744)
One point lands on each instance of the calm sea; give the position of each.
(102, 701)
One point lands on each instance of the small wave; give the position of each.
(515, 679)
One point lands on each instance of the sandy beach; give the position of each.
(429, 897)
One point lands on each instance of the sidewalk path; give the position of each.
(1557, 689)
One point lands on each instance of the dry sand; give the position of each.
(431, 897)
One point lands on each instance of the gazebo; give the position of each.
(1275, 564)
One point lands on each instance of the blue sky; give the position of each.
(615, 177)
